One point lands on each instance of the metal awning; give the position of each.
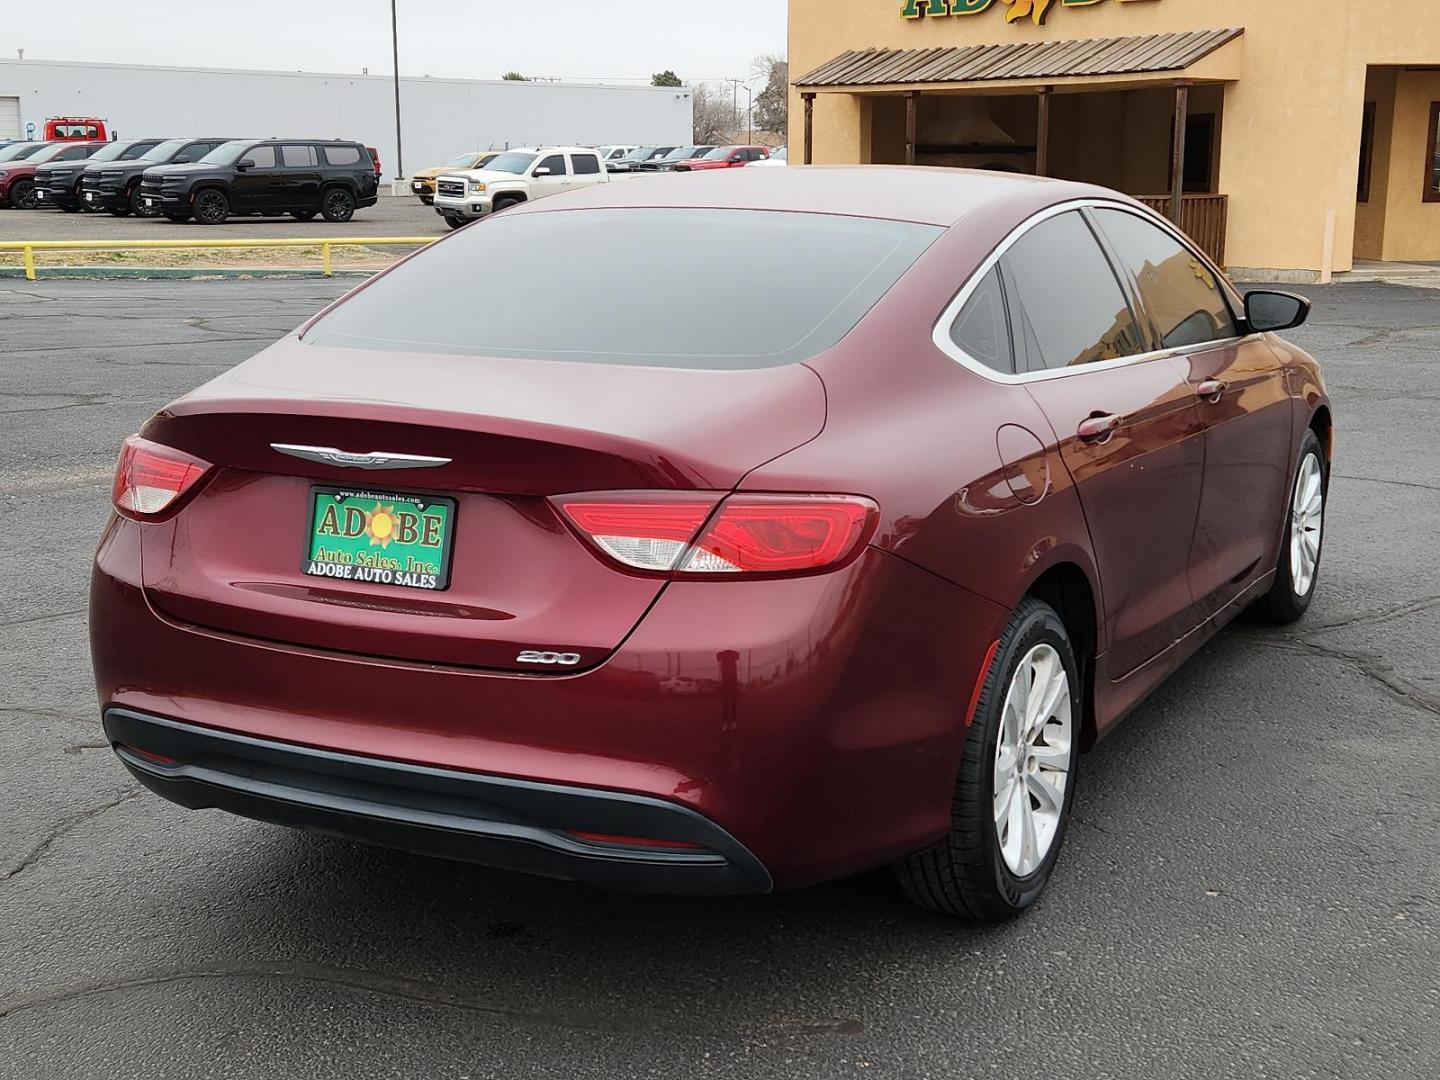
(1138, 55)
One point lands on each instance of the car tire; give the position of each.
(454, 222)
(426, 200)
(211, 207)
(303, 215)
(337, 204)
(1297, 570)
(120, 211)
(505, 204)
(987, 870)
(178, 219)
(70, 209)
(137, 207)
(22, 195)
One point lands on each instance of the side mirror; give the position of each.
(243, 165)
(543, 170)
(1267, 311)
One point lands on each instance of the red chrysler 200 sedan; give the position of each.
(719, 575)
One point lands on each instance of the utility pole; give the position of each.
(735, 107)
(395, 53)
(749, 115)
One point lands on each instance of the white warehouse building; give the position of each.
(441, 117)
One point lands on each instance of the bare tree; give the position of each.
(714, 113)
(772, 104)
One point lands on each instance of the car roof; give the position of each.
(932, 196)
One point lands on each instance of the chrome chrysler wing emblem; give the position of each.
(375, 459)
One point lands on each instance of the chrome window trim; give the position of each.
(940, 335)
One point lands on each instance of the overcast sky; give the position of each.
(573, 39)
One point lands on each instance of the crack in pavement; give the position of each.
(415, 991)
(29, 619)
(51, 714)
(1369, 666)
(40, 850)
(1397, 483)
(1374, 618)
(110, 346)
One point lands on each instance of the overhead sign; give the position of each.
(1035, 10)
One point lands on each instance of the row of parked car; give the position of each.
(207, 180)
(477, 184)
(622, 159)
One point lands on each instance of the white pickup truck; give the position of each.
(515, 176)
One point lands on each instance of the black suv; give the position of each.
(55, 175)
(268, 177)
(114, 184)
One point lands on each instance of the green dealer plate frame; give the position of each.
(364, 536)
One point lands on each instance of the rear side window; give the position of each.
(555, 163)
(1181, 297)
(194, 152)
(1067, 306)
(342, 155)
(260, 157)
(585, 164)
(684, 301)
(297, 156)
(982, 329)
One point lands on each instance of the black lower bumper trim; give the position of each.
(495, 821)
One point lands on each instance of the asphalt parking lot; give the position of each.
(1250, 889)
(391, 216)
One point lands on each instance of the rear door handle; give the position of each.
(1098, 427)
(1211, 390)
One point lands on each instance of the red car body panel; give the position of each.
(818, 720)
(24, 169)
(706, 164)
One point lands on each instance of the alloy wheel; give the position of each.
(1033, 753)
(210, 207)
(1307, 521)
(339, 206)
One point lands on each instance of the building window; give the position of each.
(1367, 152)
(1432, 156)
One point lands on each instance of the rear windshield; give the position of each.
(699, 289)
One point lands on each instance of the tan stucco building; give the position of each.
(1307, 127)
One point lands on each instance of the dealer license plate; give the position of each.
(380, 538)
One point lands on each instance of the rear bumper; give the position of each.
(496, 821)
(816, 721)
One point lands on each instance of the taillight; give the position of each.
(150, 477)
(748, 534)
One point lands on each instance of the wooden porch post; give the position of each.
(1177, 153)
(912, 108)
(1042, 133)
(809, 100)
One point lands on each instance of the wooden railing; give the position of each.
(1203, 218)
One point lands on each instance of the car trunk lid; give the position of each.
(505, 434)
